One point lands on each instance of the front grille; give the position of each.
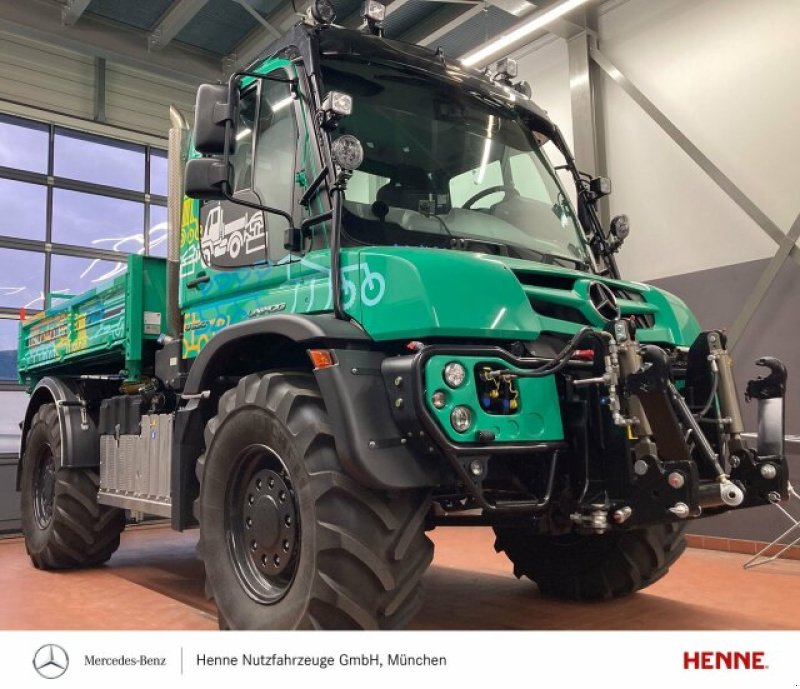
(546, 280)
(559, 311)
(573, 314)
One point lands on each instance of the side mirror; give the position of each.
(599, 187)
(216, 104)
(206, 179)
(620, 229)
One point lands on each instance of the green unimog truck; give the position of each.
(382, 313)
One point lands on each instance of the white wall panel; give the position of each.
(722, 71)
(726, 73)
(547, 69)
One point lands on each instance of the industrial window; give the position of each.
(93, 159)
(158, 172)
(158, 231)
(75, 274)
(24, 209)
(21, 279)
(101, 222)
(65, 192)
(24, 145)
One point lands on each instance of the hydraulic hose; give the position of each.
(561, 359)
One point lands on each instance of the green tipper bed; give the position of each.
(108, 329)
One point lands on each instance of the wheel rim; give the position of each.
(44, 488)
(262, 523)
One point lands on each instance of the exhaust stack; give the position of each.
(177, 151)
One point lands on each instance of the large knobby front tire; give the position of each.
(63, 524)
(288, 540)
(593, 567)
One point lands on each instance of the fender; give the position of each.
(190, 419)
(323, 328)
(80, 442)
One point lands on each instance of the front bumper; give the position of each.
(391, 436)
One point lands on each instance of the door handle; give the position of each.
(201, 279)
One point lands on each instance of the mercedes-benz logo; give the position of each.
(603, 301)
(51, 661)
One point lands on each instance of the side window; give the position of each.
(276, 147)
(242, 158)
(234, 235)
(464, 186)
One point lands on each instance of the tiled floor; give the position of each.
(154, 582)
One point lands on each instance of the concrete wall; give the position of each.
(725, 73)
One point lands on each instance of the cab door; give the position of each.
(239, 262)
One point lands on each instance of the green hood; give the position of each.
(407, 292)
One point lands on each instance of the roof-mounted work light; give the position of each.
(506, 70)
(374, 13)
(322, 12)
(335, 106)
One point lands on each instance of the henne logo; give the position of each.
(724, 660)
(51, 661)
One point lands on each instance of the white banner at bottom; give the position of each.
(119, 660)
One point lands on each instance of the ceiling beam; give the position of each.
(73, 9)
(568, 26)
(97, 38)
(175, 18)
(259, 39)
(247, 7)
(356, 21)
(519, 8)
(433, 25)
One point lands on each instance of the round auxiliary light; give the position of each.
(322, 11)
(454, 374)
(347, 152)
(461, 418)
(439, 399)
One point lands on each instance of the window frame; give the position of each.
(47, 179)
(252, 190)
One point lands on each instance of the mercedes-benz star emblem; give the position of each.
(603, 301)
(51, 661)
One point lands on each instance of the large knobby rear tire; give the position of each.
(593, 567)
(288, 540)
(63, 524)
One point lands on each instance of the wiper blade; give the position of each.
(472, 243)
(581, 265)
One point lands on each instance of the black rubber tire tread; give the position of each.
(362, 552)
(593, 567)
(81, 533)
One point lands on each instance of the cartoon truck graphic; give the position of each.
(227, 238)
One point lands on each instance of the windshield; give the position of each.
(449, 169)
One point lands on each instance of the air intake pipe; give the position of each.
(177, 151)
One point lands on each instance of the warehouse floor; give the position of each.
(154, 582)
